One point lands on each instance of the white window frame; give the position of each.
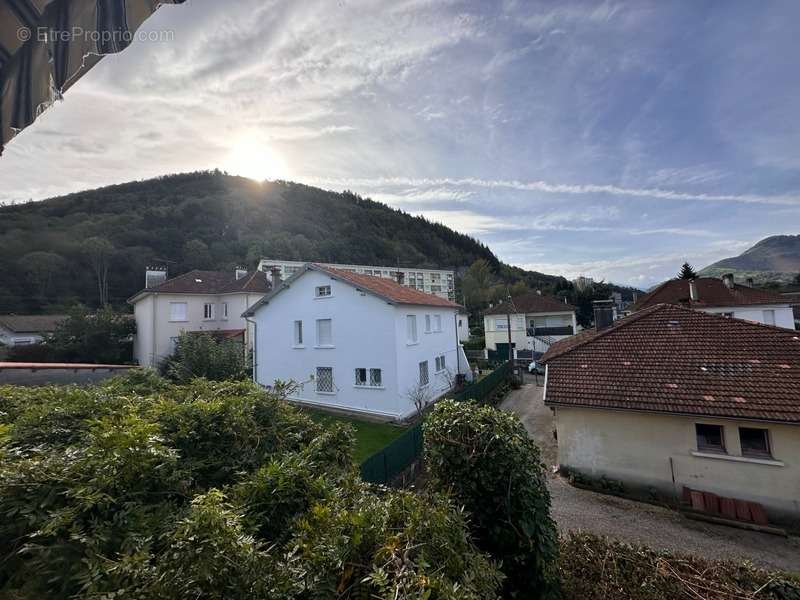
(208, 311)
(423, 370)
(297, 332)
(412, 337)
(323, 291)
(437, 323)
(173, 316)
(369, 376)
(427, 323)
(224, 310)
(320, 342)
(332, 391)
(441, 363)
(501, 324)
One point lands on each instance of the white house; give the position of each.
(672, 398)
(723, 296)
(23, 330)
(356, 342)
(197, 301)
(462, 325)
(537, 321)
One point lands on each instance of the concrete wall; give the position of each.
(367, 333)
(784, 317)
(58, 375)
(155, 331)
(645, 450)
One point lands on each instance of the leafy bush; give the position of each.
(594, 568)
(139, 488)
(203, 355)
(485, 458)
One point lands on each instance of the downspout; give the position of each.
(153, 348)
(458, 345)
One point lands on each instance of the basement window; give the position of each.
(710, 438)
(755, 442)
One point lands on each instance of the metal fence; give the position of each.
(385, 465)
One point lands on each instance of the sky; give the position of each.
(607, 139)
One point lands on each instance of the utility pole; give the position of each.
(508, 319)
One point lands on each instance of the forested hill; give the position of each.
(209, 220)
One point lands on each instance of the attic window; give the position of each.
(727, 369)
(198, 281)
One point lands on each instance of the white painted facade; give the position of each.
(495, 329)
(162, 317)
(431, 281)
(780, 315)
(660, 451)
(14, 338)
(362, 331)
(462, 326)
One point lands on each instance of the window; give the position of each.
(727, 315)
(177, 311)
(710, 438)
(324, 332)
(22, 342)
(437, 322)
(423, 373)
(436, 288)
(325, 380)
(755, 442)
(769, 317)
(323, 291)
(298, 333)
(224, 310)
(411, 329)
(501, 324)
(375, 377)
(208, 311)
(440, 364)
(427, 323)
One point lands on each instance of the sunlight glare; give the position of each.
(256, 160)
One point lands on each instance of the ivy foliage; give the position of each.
(486, 460)
(140, 488)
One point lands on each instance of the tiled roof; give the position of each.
(531, 303)
(672, 359)
(212, 282)
(31, 323)
(388, 288)
(710, 292)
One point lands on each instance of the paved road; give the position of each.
(637, 522)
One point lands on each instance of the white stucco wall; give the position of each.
(519, 324)
(643, 449)
(367, 332)
(783, 313)
(462, 325)
(12, 338)
(155, 330)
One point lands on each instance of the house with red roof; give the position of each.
(723, 296)
(671, 399)
(357, 343)
(197, 301)
(535, 321)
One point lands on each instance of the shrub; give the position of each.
(486, 460)
(203, 355)
(595, 568)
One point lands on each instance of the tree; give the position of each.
(98, 250)
(687, 272)
(476, 283)
(196, 255)
(102, 337)
(202, 355)
(41, 268)
(490, 465)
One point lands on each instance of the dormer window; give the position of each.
(323, 291)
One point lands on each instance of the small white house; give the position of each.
(197, 301)
(462, 325)
(356, 342)
(24, 330)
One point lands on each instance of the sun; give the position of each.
(256, 160)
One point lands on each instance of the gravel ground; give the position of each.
(638, 522)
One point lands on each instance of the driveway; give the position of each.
(637, 522)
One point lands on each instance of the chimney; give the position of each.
(154, 276)
(240, 272)
(749, 282)
(603, 313)
(275, 278)
(727, 279)
(400, 277)
(693, 295)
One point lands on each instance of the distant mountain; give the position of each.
(773, 259)
(210, 220)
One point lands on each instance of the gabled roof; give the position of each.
(676, 360)
(210, 282)
(710, 292)
(31, 323)
(385, 289)
(531, 303)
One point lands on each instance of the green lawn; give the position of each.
(370, 437)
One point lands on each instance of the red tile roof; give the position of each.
(388, 288)
(212, 282)
(710, 291)
(672, 359)
(531, 303)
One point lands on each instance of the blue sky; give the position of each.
(610, 139)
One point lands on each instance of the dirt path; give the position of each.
(637, 522)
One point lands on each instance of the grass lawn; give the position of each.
(370, 437)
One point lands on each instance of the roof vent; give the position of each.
(154, 276)
(693, 295)
(603, 314)
(727, 279)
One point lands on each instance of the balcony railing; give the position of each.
(547, 331)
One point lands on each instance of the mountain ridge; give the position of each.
(773, 259)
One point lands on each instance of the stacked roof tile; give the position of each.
(530, 303)
(710, 292)
(213, 282)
